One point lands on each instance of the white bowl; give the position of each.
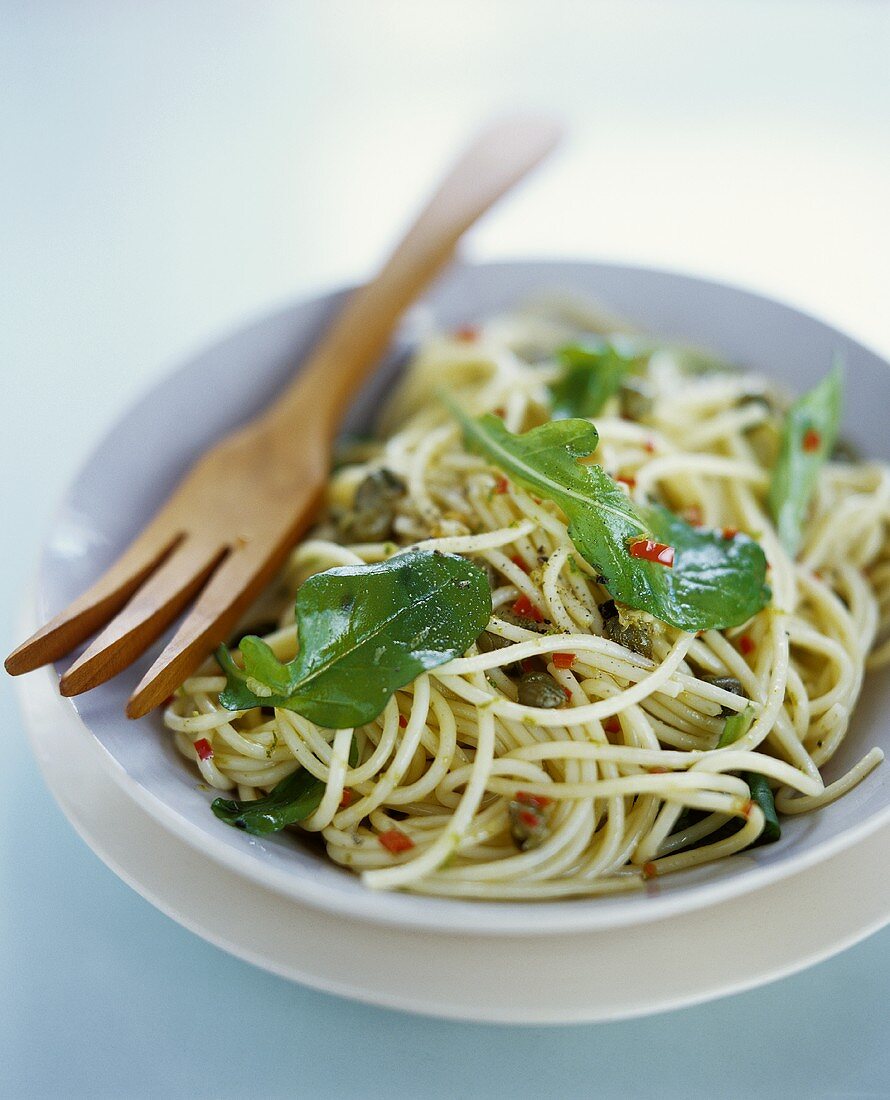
(140, 460)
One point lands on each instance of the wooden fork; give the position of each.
(227, 528)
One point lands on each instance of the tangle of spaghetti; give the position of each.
(498, 793)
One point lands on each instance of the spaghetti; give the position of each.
(471, 782)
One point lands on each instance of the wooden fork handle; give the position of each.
(499, 157)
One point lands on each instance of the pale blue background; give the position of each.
(169, 169)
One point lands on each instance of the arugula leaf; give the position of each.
(808, 438)
(590, 376)
(364, 631)
(762, 794)
(736, 726)
(293, 799)
(715, 582)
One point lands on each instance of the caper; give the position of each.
(528, 824)
(488, 643)
(379, 486)
(728, 683)
(631, 632)
(374, 507)
(632, 636)
(539, 689)
(510, 616)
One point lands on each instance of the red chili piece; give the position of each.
(539, 801)
(630, 482)
(346, 798)
(812, 441)
(730, 532)
(650, 550)
(403, 721)
(563, 660)
(746, 645)
(650, 446)
(395, 841)
(527, 610)
(501, 485)
(521, 563)
(612, 725)
(204, 749)
(649, 870)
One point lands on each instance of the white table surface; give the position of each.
(171, 169)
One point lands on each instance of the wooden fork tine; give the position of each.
(145, 617)
(232, 589)
(100, 602)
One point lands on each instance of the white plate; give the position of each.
(565, 978)
(136, 465)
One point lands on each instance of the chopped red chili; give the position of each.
(466, 333)
(630, 482)
(650, 446)
(649, 870)
(346, 798)
(501, 485)
(539, 801)
(520, 562)
(746, 644)
(612, 725)
(730, 532)
(812, 441)
(204, 749)
(529, 818)
(403, 721)
(563, 660)
(527, 610)
(395, 841)
(650, 550)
